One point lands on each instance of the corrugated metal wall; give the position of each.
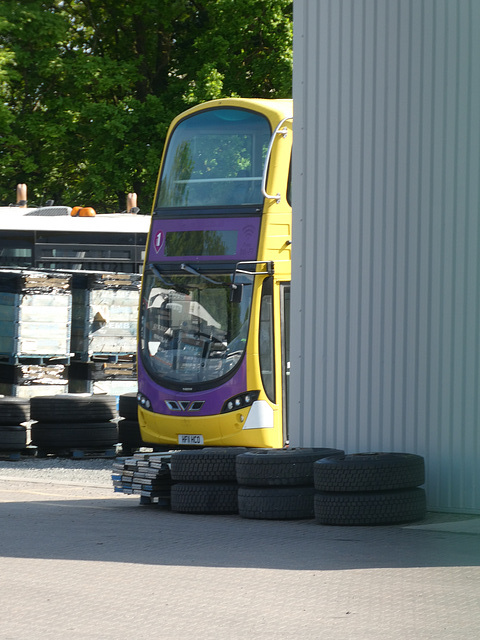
(386, 234)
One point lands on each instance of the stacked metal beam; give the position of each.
(144, 474)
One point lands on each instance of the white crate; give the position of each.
(35, 324)
(104, 321)
(32, 390)
(110, 387)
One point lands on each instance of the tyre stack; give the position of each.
(277, 484)
(13, 434)
(369, 489)
(128, 427)
(205, 480)
(74, 423)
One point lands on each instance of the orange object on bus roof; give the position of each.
(87, 212)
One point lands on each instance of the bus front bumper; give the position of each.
(250, 427)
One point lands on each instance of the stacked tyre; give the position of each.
(205, 481)
(128, 427)
(73, 421)
(13, 434)
(277, 484)
(369, 489)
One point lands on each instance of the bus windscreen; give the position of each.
(215, 158)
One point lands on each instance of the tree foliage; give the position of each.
(89, 87)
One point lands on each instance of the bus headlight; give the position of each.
(240, 402)
(143, 401)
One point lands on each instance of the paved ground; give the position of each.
(83, 563)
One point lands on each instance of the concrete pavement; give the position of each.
(84, 563)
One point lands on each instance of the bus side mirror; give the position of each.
(236, 293)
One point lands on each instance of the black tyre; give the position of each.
(14, 410)
(369, 472)
(128, 406)
(276, 503)
(129, 433)
(279, 467)
(370, 508)
(206, 498)
(74, 435)
(13, 438)
(206, 465)
(73, 408)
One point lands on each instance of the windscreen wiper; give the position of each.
(156, 272)
(186, 267)
(236, 290)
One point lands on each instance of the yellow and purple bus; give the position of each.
(213, 353)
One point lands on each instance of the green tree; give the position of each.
(89, 87)
(241, 48)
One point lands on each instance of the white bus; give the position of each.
(51, 238)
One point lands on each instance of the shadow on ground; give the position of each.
(38, 521)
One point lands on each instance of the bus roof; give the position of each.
(28, 219)
(275, 109)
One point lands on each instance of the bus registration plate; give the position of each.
(190, 439)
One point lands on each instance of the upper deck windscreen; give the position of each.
(215, 158)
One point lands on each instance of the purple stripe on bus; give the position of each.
(247, 243)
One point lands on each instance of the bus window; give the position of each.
(289, 184)
(215, 158)
(285, 329)
(191, 333)
(16, 250)
(265, 339)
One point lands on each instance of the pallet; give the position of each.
(117, 357)
(157, 500)
(34, 359)
(17, 454)
(77, 453)
(12, 456)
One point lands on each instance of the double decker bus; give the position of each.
(213, 361)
